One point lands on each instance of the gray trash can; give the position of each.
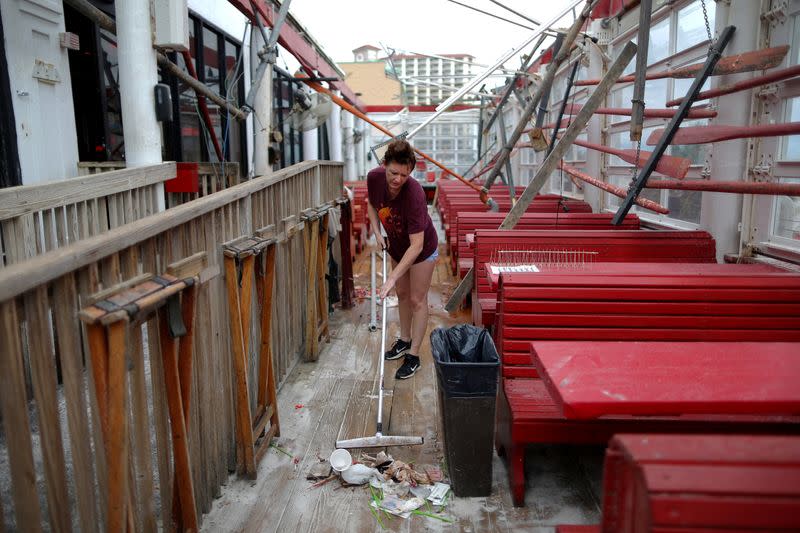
(467, 367)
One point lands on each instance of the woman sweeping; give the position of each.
(399, 203)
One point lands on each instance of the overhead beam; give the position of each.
(292, 38)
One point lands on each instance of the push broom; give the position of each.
(379, 440)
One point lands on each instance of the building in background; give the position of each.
(431, 80)
(401, 92)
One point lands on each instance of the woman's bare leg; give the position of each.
(403, 291)
(419, 283)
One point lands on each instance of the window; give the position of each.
(786, 218)
(791, 144)
(216, 61)
(658, 47)
(291, 148)
(691, 26)
(444, 144)
(676, 36)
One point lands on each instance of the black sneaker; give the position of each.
(409, 368)
(397, 350)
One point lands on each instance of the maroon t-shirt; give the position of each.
(407, 213)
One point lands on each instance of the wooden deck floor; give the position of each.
(336, 398)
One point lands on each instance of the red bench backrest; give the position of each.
(610, 246)
(469, 222)
(719, 305)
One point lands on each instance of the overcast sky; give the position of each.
(423, 26)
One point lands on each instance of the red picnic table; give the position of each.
(589, 379)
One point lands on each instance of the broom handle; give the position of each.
(379, 430)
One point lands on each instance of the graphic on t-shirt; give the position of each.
(390, 220)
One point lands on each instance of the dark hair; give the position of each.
(400, 151)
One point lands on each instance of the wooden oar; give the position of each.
(717, 133)
(648, 113)
(674, 167)
(744, 62)
(613, 189)
(778, 75)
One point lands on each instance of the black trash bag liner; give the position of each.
(466, 360)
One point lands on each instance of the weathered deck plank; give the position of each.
(338, 398)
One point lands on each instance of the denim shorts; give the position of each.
(434, 255)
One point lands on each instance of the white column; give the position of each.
(262, 109)
(361, 171)
(310, 145)
(137, 79)
(594, 159)
(349, 148)
(721, 213)
(335, 131)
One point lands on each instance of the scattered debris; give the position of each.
(361, 293)
(433, 472)
(397, 506)
(279, 449)
(400, 471)
(421, 492)
(320, 483)
(395, 487)
(382, 461)
(358, 474)
(438, 495)
(391, 488)
(319, 471)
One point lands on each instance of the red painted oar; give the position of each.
(735, 187)
(778, 75)
(613, 189)
(745, 62)
(717, 133)
(674, 167)
(649, 113)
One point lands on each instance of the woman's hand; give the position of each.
(387, 287)
(380, 241)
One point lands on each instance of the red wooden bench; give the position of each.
(455, 206)
(597, 246)
(591, 379)
(468, 223)
(450, 189)
(575, 306)
(641, 301)
(360, 218)
(701, 482)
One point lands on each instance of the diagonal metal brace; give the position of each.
(714, 54)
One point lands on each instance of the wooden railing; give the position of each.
(35, 219)
(39, 329)
(39, 218)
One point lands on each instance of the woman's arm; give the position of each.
(417, 243)
(375, 225)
